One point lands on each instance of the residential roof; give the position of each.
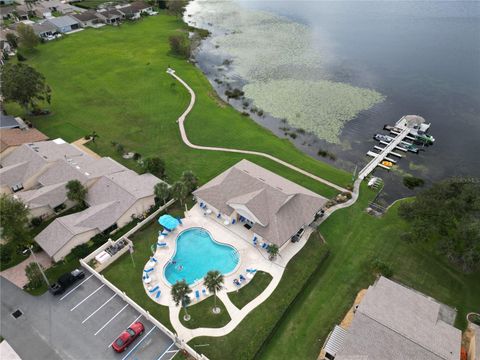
(5, 10)
(110, 13)
(395, 322)
(63, 21)
(52, 196)
(46, 26)
(28, 159)
(109, 198)
(140, 5)
(8, 121)
(277, 206)
(15, 137)
(86, 16)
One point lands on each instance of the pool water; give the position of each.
(196, 254)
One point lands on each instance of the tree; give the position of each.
(26, 36)
(213, 282)
(162, 191)
(176, 7)
(180, 291)
(23, 84)
(154, 165)
(272, 252)
(190, 180)
(13, 219)
(12, 39)
(447, 214)
(34, 275)
(76, 192)
(179, 191)
(180, 45)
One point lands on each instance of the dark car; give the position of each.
(298, 235)
(65, 281)
(128, 336)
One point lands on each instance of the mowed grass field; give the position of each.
(113, 81)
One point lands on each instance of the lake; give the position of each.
(330, 74)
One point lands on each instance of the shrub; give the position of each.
(80, 251)
(379, 267)
(20, 57)
(36, 221)
(234, 94)
(412, 182)
(6, 253)
(87, 137)
(34, 275)
(119, 148)
(99, 239)
(180, 45)
(293, 135)
(136, 156)
(113, 143)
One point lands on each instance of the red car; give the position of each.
(128, 336)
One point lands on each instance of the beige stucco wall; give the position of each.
(76, 240)
(137, 209)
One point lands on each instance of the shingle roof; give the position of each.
(395, 322)
(8, 121)
(63, 21)
(110, 13)
(279, 206)
(46, 26)
(52, 196)
(15, 137)
(86, 16)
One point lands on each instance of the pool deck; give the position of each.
(251, 257)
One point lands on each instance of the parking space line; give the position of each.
(146, 335)
(127, 327)
(109, 321)
(64, 296)
(101, 306)
(81, 302)
(174, 354)
(166, 351)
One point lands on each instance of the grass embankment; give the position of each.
(128, 277)
(250, 291)
(355, 239)
(113, 80)
(202, 315)
(255, 329)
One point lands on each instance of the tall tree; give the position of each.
(180, 291)
(213, 282)
(13, 219)
(179, 191)
(76, 192)
(23, 84)
(162, 191)
(190, 180)
(26, 36)
(447, 214)
(154, 165)
(176, 7)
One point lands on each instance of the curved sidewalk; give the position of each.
(187, 142)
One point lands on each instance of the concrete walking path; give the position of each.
(183, 133)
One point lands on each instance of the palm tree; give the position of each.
(213, 282)
(162, 191)
(179, 191)
(190, 180)
(180, 291)
(272, 252)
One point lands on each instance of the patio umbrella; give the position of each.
(168, 222)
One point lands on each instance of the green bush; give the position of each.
(99, 239)
(36, 221)
(412, 182)
(381, 268)
(81, 251)
(20, 57)
(6, 253)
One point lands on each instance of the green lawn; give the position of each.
(243, 296)
(202, 315)
(128, 277)
(113, 80)
(355, 239)
(245, 341)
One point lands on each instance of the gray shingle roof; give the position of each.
(40, 28)
(86, 16)
(52, 195)
(63, 21)
(280, 206)
(395, 322)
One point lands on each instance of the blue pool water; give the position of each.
(196, 254)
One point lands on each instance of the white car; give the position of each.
(49, 37)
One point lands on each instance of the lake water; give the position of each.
(341, 70)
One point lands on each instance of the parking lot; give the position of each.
(101, 315)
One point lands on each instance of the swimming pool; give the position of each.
(196, 254)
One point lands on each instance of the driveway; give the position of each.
(16, 274)
(80, 324)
